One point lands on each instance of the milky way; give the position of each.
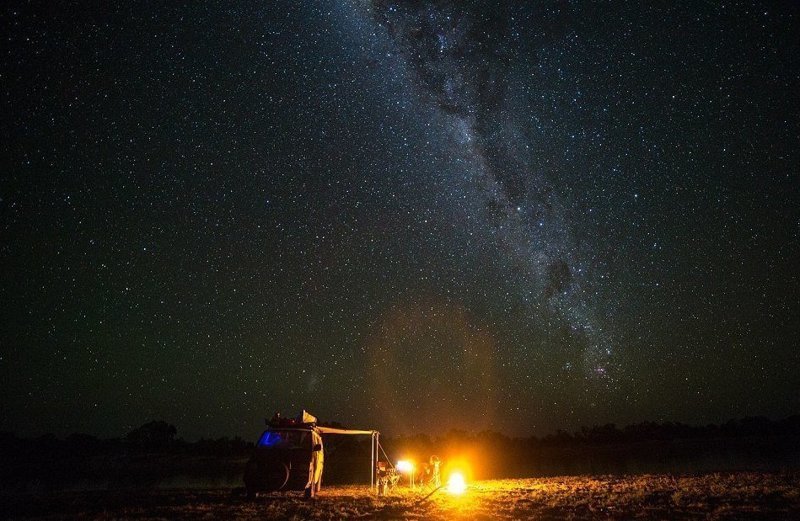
(462, 61)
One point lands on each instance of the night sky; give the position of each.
(409, 216)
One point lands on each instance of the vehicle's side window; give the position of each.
(286, 439)
(270, 439)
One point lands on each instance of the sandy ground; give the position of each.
(742, 495)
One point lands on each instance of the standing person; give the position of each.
(435, 473)
(421, 474)
(315, 466)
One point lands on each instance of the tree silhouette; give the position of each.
(155, 435)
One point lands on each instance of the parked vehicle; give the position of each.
(289, 455)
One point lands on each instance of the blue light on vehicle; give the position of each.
(269, 439)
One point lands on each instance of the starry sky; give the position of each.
(405, 215)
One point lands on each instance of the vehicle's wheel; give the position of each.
(276, 475)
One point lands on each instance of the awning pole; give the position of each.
(372, 463)
(377, 455)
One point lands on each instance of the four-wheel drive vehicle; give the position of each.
(288, 456)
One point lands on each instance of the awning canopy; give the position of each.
(332, 430)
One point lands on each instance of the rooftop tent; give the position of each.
(306, 417)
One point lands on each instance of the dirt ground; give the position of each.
(742, 495)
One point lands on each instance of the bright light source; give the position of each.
(405, 466)
(456, 484)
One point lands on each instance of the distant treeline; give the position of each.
(156, 436)
(160, 435)
(755, 443)
(153, 455)
(652, 431)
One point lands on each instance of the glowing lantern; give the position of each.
(405, 466)
(456, 484)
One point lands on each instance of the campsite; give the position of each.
(743, 469)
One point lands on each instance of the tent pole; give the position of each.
(372, 463)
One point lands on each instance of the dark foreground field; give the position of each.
(742, 495)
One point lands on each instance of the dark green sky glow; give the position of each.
(410, 216)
